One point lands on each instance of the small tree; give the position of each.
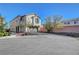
(52, 22)
(48, 24)
(56, 21)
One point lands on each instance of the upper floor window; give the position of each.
(36, 20)
(22, 19)
(32, 20)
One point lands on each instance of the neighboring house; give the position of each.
(26, 23)
(70, 26)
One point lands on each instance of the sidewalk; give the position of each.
(12, 36)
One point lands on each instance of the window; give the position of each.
(37, 20)
(32, 20)
(75, 22)
(64, 22)
(68, 23)
(21, 19)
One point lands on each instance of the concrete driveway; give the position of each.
(45, 44)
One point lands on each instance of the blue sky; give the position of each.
(11, 10)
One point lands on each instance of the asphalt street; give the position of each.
(45, 44)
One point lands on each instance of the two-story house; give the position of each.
(25, 23)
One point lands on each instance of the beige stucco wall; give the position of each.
(27, 19)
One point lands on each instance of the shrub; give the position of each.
(4, 34)
(1, 34)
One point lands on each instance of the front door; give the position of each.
(17, 29)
